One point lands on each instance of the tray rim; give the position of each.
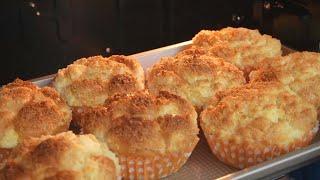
(266, 170)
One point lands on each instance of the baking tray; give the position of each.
(202, 163)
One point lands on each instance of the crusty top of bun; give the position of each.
(63, 156)
(29, 111)
(90, 81)
(300, 71)
(194, 77)
(259, 114)
(242, 47)
(141, 123)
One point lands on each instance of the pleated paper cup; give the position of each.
(152, 167)
(244, 155)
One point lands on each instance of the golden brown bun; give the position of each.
(194, 77)
(29, 111)
(90, 81)
(300, 71)
(142, 124)
(242, 47)
(193, 50)
(259, 117)
(64, 156)
(261, 113)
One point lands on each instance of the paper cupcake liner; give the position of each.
(155, 167)
(243, 155)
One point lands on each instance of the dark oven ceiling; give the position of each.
(39, 37)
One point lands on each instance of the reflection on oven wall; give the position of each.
(295, 22)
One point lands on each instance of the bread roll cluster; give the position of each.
(252, 103)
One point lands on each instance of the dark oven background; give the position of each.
(39, 37)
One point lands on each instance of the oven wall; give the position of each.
(39, 37)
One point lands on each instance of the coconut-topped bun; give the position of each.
(300, 71)
(242, 47)
(193, 51)
(29, 111)
(194, 77)
(152, 135)
(90, 81)
(257, 122)
(63, 156)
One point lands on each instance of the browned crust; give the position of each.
(36, 111)
(135, 124)
(12, 171)
(64, 175)
(242, 47)
(89, 81)
(49, 151)
(247, 91)
(299, 71)
(28, 111)
(192, 51)
(39, 118)
(122, 83)
(4, 155)
(235, 115)
(184, 74)
(263, 75)
(45, 158)
(20, 83)
(128, 61)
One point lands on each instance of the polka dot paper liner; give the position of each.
(139, 167)
(242, 156)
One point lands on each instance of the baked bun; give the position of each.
(300, 71)
(257, 122)
(29, 111)
(193, 51)
(90, 81)
(244, 48)
(63, 156)
(152, 135)
(194, 77)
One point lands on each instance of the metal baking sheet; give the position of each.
(202, 163)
